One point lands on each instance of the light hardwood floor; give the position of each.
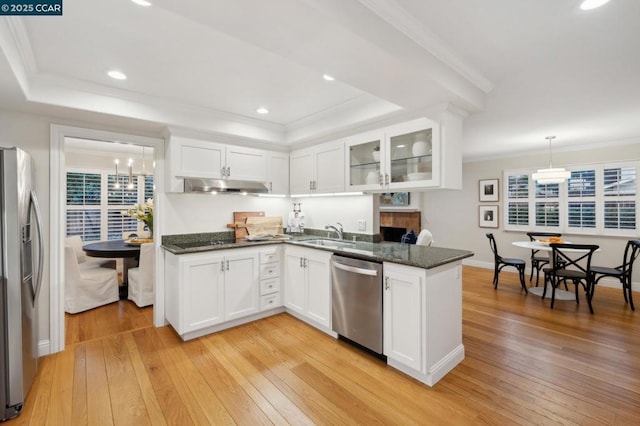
(524, 364)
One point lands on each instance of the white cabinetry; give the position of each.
(203, 159)
(319, 169)
(307, 281)
(423, 320)
(406, 156)
(278, 172)
(270, 295)
(207, 289)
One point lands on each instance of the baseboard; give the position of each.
(44, 347)
(437, 371)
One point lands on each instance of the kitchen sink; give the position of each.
(334, 244)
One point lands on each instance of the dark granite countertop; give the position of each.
(405, 254)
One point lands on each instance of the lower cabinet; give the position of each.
(422, 319)
(307, 284)
(206, 289)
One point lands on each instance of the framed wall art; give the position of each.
(488, 216)
(489, 190)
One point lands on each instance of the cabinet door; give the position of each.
(318, 276)
(403, 325)
(364, 161)
(246, 164)
(202, 284)
(194, 158)
(413, 154)
(294, 280)
(242, 285)
(329, 160)
(302, 171)
(278, 181)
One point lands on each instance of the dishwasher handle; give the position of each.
(361, 271)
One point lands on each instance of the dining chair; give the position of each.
(622, 272)
(87, 286)
(539, 260)
(502, 262)
(142, 278)
(425, 238)
(76, 243)
(571, 262)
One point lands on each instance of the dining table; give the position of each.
(543, 246)
(117, 249)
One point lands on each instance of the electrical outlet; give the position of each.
(362, 225)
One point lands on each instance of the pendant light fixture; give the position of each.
(130, 183)
(551, 174)
(116, 185)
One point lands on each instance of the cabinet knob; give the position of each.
(386, 283)
(228, 171)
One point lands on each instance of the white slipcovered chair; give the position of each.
(87, 285)
(425, 238)
(142, 278)
(76, 243)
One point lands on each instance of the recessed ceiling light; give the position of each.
(262, 110)
(141, 2)
(592, 4)
(328, 77)
(117, 75)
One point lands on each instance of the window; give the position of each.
(596, 199)
(517, 203)
(620, 198)
(83, 205)
(581, 194)
(95, 204)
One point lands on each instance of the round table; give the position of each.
(534, 245)
(130, 255)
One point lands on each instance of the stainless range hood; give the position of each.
(229, 186)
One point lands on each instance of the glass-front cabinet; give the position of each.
(397, 157)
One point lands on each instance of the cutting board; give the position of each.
(264, 225)
(239, 223)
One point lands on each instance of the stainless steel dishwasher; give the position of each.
(356, 297)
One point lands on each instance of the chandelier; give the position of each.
(551, 174)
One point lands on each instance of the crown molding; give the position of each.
(393, 13)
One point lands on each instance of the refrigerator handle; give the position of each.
(36, 210)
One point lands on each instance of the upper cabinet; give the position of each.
(403, 157)
(319, 169)
(204, 159)
(278, 172)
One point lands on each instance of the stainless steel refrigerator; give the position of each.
(22, 251)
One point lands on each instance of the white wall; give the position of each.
(31, 133)
(322, 211)
(192, 213)
(453, 215)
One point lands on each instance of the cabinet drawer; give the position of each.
(269, 286)
(269, 270)
(269, 256)
(270, 301)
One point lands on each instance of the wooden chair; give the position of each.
(571, 262)
(538, 261)
(502, 262)
(622, 272)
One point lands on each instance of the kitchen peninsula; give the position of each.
(214, 284)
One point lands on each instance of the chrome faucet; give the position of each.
(337, 230)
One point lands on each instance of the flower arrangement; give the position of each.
(143, 212)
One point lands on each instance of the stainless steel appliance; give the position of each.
(20, 279)
(356, 297)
